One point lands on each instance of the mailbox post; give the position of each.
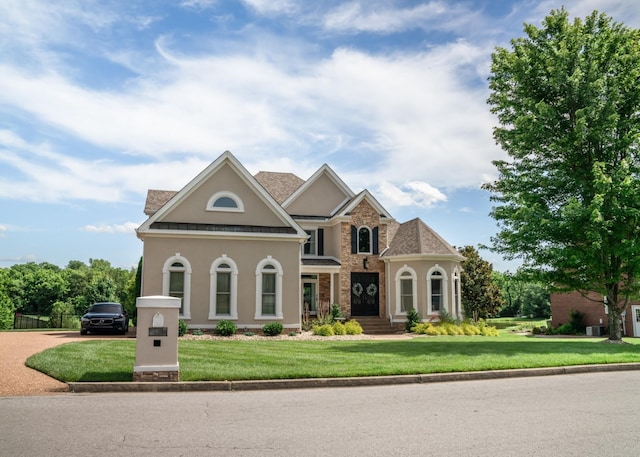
(157, 339)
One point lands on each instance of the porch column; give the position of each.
(331, 293)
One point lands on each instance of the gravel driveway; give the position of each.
(16, 379)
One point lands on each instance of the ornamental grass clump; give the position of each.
(353, 328)
(339, 328)
(323, 330)
(448, 328)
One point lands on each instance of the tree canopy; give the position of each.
(480, 293)
(46, 289)
(567, 98)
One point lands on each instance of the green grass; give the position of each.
(510, 323)
(210, 360)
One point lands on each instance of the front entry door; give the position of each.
(636, 320)
(309, 296)
(365, 294)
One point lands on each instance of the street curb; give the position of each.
(272, 384)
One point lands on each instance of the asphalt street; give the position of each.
(591, 414)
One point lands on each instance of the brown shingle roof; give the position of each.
(156, 200)
(416, 237)
(279, 185)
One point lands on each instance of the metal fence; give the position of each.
(62, 320)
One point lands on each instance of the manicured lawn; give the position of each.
(209, 360)
(512, 323)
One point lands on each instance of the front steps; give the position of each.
(374, 325)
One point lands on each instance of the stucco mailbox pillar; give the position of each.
(157, 339)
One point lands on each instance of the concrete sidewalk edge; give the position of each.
(204, 386)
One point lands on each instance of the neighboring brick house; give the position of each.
(274, 247)
(594, 312)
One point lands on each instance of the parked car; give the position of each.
(105, 316)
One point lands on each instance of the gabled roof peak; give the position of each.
(414, 237)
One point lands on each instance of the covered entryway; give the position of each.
(309, 294)
(365, 294)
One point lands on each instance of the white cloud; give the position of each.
(20, 259)
(272, 6)
(381, 17)
(413, 193)
(3, 230)
(127, 227)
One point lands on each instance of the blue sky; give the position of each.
(101, 100)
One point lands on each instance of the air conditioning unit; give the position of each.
(595, 330)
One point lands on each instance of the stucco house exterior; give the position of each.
(275, 247)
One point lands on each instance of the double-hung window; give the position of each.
(269, 289)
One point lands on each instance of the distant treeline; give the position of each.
(45, 289)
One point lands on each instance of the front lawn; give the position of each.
(213, 360)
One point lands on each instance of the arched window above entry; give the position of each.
(226, 202)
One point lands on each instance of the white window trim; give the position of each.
(414, 289)
(445, 289)
(213, 289)
(370, 251)
(222, 194)
(166, 276)
(315, 244)
(279, 273)
(455, 287)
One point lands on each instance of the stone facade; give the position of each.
(362, 215)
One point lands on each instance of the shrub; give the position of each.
(272, 329)
(323, 330)
(339, 328)
(470, 329)
(564, 329)
(182, 327)
(249, 333)
(421, 328)
(293, 334)
(197, 332)
(353, 328)
(226, 328)
(577, 321)
(336, 312)
(413, 318)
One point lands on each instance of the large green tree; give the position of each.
(480, 293)
(567, 98)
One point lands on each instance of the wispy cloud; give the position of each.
(382, 17)
(127, 227)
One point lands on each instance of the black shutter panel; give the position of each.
(354, 240)
(375, 241)
(320, 241)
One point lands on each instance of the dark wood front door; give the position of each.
(365, 294)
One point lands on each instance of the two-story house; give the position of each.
(274, 247)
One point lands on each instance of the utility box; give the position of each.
(595, 330)
(157, 339)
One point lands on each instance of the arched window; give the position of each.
(269, 289)
(364, 240)
(436, 290)
(176, 282)
(225, 201)
(223, 286)
(406, 290)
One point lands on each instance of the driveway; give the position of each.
(16, 379)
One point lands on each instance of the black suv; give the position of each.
(105, 316)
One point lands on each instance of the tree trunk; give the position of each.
(615, 327)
